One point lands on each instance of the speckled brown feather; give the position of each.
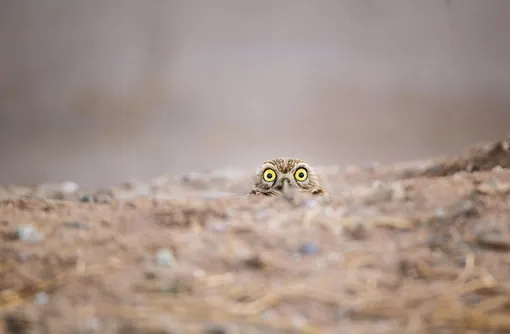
(286, 167)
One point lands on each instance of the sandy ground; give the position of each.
(419, 247)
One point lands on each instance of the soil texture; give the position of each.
(418, 247)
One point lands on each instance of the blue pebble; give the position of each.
(309, 248)
(41, 298)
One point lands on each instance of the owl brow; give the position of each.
(298, 166)
(265, 167)
(268, 168)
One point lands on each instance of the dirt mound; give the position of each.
(482, 157)
(385, 254)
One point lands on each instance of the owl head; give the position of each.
(275, 176)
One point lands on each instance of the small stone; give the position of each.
(335, 257)
(379, 192)
(165, 258)
(176, 287)
(21, 257)
(309, 248)
(215, 329)
(356, 230)
(57, 191)
(486, 189)
(29, 233)
(435, 169)
(493, 240)
(19, 191)
(76, 224)
(41, 298)
(398, 192)
(268, 315)
(68, 187)
(216, 227)
(159, 182)
(255, 261)
(198, 273)
(296, 257)
(87, 198)
(433, 242)
(377, 184)
(299, 320)
(93, 324)
(132, 189)
(194, 178)
(343, 311)
(150, 275)
(103, 196)
(440, 212)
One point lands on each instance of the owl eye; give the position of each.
(269, 175)
(301, 174)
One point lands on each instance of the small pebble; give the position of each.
(216, 227)
(21, 257)
(150, 275)
(215, 329)
(165, 258)
(299, 320)
(356, 230)
(309, 248)
(28, 232)
(296, 257)
(343, 311)
(68, 187)
(440, 213)
(434, 241)
(76, 224)
(159, 182)
(377, 184)
(434, 169)
(103, 196)
(93, 324)
(87, 198)
(268, 315)
(41, 298)
(398, 192)
(192, 177)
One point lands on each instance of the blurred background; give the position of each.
(103, 91)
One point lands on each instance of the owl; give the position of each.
(274, 177)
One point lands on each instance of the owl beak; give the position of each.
(287, 190)
(285, 185)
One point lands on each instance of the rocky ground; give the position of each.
(420, 247)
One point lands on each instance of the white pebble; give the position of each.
(93, 324)
(165, 257)
(68, 187)
(299, 320)
(440, 213)
(28, 232)
(41, 298)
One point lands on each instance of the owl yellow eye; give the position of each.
(301, 174)
(269, 175)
